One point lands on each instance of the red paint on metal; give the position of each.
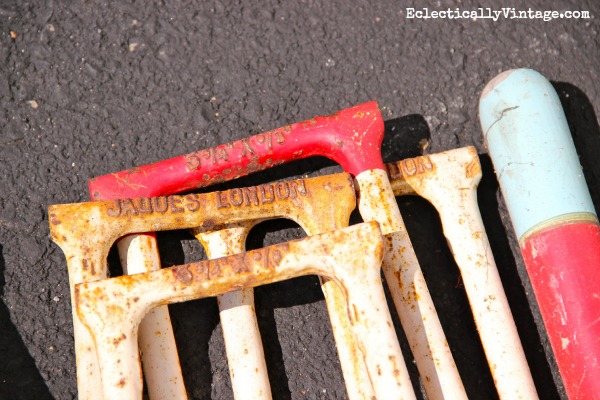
(564, 267)
(352, 137)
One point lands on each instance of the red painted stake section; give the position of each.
(555, 220)
(562, 262)
(352, 138)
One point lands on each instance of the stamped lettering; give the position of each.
(144, 205)
(213, 270)
(276, 254)
(235, 197)
(267, 194)
(264, 259)
(182, 274)
(128, 208)
(222, 201)
(175, 203)
(250, 195)
(160, 205)
(240, 264)
(248, 148)
(282, 190)
(263, 194)
(116, 211)
(247, 151)
(245, 197)
(192, 161)
(191, 202)
(410, 167)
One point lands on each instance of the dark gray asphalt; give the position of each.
(92, 87)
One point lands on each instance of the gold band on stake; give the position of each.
(565, 219)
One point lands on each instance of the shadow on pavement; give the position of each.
(19, 377)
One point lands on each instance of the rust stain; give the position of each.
(116, 341)
(398, 275)
(114, 293)
(148, 214)
(356, 315)
(182, 274)
(97, 292)
(395, 370)
(208, 224)
(473, 169)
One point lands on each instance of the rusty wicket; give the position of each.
(449, 180)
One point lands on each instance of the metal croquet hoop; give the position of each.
(449, 180)
(353, 138)
(111, 309)
(316, 218)
(333, 199)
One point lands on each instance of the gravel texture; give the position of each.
(92, 87)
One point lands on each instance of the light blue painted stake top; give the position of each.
(531, 147)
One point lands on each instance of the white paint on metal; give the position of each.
(408, 289)
(160, 361)
(449, 181)
(243, 344)
(112, 308)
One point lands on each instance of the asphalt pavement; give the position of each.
(93, 87)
